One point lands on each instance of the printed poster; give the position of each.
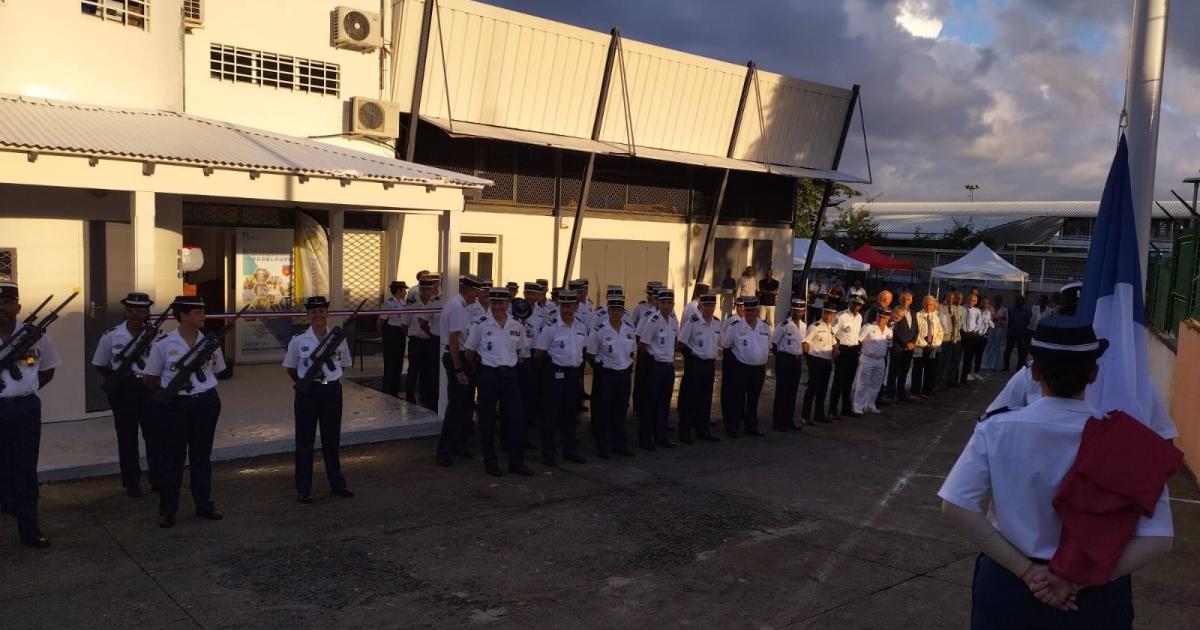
(264, 281)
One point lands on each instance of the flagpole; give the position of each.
(1143, 98)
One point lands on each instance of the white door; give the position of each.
(480, 255)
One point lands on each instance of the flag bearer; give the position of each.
(611, 347)
(129, 399)
(188, 421)
(699, 338)
(21, 421)
(320, 406)
(395, 339)
(749, 341)
(560, 347)
(656, 339)
(874, 340)
(493, 347)
(789, 355)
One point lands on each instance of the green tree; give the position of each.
(808, 202)
(961, 236)
(854, 227)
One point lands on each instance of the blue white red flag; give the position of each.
(1112, 300)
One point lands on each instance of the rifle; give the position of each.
(192, 362)
(321, 358)
(133, 353)
(24, 338)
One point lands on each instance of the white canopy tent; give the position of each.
(980, 263)
(825, 257)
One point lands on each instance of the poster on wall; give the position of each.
(264, 282)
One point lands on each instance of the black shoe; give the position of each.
(667, 444)
(166, 522)
(134, 491)
(520, 470)
(343, 492)
(549, 462)
(709, 438)
(463, 452)
(687, 440)
(755, 433)
(824, 421)
(623, 452)
(575, 458)
(444, 460)
(37, 542)
(304, 498)
(210, 515)
(494, 470)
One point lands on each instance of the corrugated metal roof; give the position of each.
(460, 129)
(74, 129)
(1012, 208)
(515, 71)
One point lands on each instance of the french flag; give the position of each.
(1112, 300)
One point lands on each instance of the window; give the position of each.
(133, 13)
(193, 13)
(8, 264)
(242, 65)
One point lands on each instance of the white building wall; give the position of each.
(53, 50)
(300, 28)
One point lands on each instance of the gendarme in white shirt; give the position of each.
(299, 356)
(497, 345)
(41, 357)
(789, 336)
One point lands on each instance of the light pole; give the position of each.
(971, 188)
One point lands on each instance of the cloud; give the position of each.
(1030, 114)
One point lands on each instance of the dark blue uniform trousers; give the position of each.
(728, 410)
(787, 385)
(695, 396)
(460, 404)
(501, 385)
(660, 384)
(819, 370)
(131, 409)
(745, 386)
(560, 393)
(845, 367)
(641, 373)
(610, 404)
(1001, 601)
(187, 425)
(319, 407)
(529, 376)
(20, 439)
(422, 372)
(394, 345)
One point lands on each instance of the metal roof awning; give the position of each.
(75, 129)
(814, 173)
(462, 129)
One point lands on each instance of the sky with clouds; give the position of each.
(1021, 97)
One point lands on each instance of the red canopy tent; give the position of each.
(877, 259)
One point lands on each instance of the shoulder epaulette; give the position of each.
(993, 412)
(113, 329)
(695, 317)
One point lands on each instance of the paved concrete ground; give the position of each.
(837, 527)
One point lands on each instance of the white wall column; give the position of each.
(450, 234)
(337, 230)
(393, 227)
(141, 219)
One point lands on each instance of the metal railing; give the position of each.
(1173, 283)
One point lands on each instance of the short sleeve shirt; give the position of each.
(750, 345)
(170, 349)
(874, 341)
(112, 346)
(659, 334)
(788, 336)
(564, 343)
(613, 349)
(392, 304)
(497, 345)
(820, 340)
(454, 319)
(299, 356)
(846, 327)
(43, 356)
(700, 336)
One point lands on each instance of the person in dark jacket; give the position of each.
(1019, 319)
(904, 340)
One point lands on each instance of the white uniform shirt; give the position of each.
(530, 328)
(859, 291)
(750, 346)
(586, 313)
(392, 304)
(476, 312)
(929, 333)
(788, 337)
(640, 311)
(820, 340)
(701, 337)
(564, 344)
(41, 357)
(729, 321)
(171, 348)
(972, 320)
(691, 308)
(846, 327)
(875, 342)
(1020, 458)
(496, 345)
(413, 320)
(112, 344)
(613, 349)
(540, 310)
(301, 348)
(454, 319)
(659, 334)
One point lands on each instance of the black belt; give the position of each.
(559, 368)
(692, 357)
(14, 399)
(498, 367)
(603, 370)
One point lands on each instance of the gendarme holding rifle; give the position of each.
(315, 359)
(27, 362)
(182, 372)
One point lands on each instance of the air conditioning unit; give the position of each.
(374, 118)
(354, 29)
(193, 13)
